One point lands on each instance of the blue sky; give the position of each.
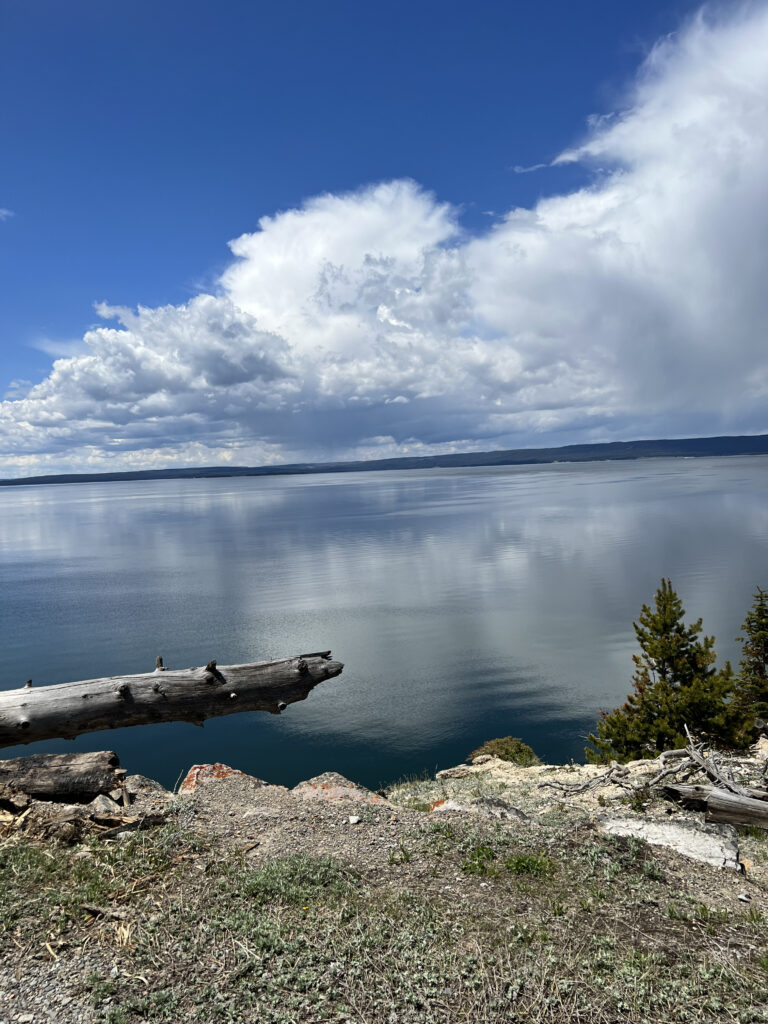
(396, 285)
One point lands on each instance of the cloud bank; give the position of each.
(369, 324)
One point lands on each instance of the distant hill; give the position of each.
(687, 447)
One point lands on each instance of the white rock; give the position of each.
(354, 819)
(710, 844)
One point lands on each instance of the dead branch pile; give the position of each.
(704, 780)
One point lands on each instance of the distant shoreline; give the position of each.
(690, 447)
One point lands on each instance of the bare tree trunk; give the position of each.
(65, 710)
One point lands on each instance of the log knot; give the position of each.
(302, 666)
(213, 673)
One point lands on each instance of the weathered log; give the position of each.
(729, 809)
(721, 806)
(66, 710)
(69, 777)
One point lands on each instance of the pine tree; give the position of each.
(676, 683)
(752, 680)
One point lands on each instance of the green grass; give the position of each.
(480, 861)
(529, 864)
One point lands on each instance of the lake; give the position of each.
(465, 603)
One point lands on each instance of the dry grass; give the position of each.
(466, 923)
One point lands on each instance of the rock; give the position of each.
(760, 748)
(485, 807)
(495, 807)
(103, 804)
(332, 786)
(447, 805)
(481, 765)
(710, 844)
(461, 771)
(145, 796)
(354, 819)
(137, 785)
(203, 774)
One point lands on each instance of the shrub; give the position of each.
(508, 748)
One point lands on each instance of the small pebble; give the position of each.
(354, 819)
(744, 897)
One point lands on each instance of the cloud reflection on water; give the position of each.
(464, 603)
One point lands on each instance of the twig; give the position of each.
(614, 775)
(668, 755)
(687, 763)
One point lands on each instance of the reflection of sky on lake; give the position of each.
(465, 604)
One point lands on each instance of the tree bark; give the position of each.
(66, 710)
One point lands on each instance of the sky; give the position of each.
(256, 232)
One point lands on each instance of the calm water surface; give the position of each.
(465, 603)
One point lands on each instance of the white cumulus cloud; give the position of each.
(370, 323)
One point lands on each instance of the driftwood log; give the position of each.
(66, 710)
(69, 777)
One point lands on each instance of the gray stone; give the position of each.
(135, 784)
(103, 804)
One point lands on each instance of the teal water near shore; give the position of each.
(465, 603)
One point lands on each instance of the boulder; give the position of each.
(203, 774)
(332, 786)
